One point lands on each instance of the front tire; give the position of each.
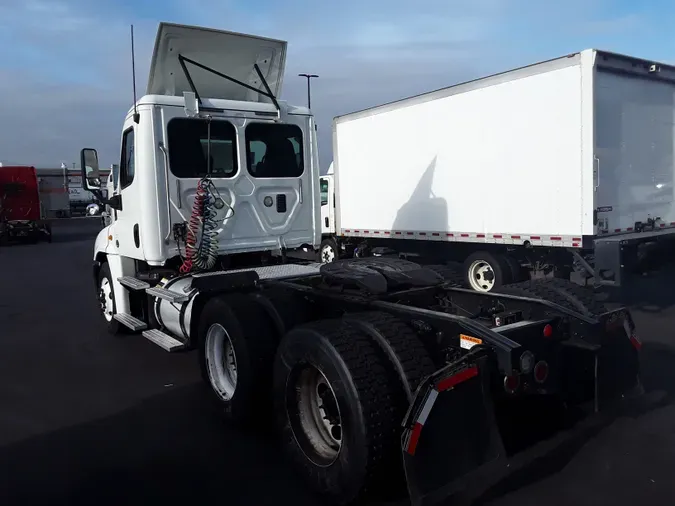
(328, 252)
(106, 299)
(332, 401)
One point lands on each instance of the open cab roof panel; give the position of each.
(229, 53)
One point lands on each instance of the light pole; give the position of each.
(309, 88)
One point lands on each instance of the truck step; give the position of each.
(164, 294)
(164, 341)
(132, 283)
(130, 321)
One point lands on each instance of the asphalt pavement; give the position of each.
(87, 418)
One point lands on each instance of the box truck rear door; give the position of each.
(634, 137)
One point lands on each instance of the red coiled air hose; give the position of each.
(191, 249)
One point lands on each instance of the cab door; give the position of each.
(327, 205)
(126, 231)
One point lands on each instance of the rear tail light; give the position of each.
(548, 330)
(511, 383)
(526, 362)
(541, 371)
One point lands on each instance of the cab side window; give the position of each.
(127, 165)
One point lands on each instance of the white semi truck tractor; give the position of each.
(375, 370)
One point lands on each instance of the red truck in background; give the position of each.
(21, 216)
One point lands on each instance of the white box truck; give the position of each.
(218, 184)
(566, 164)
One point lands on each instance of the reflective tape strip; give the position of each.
(419, 423)
(414, 438)
(479, 237)
(424, 414)
(456, 379)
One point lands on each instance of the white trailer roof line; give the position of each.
(606, 60)
(474, 84)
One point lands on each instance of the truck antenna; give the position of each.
(137, 116)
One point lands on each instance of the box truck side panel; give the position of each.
(634, 132)
(496, 160)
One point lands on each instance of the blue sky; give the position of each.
(66, 81)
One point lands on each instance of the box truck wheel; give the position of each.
(106, 299)
(332, 398)
(328, 252)
(485, 271)
(237, 343)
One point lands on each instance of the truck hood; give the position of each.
(232, 54)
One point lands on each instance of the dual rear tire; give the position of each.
(337, 389)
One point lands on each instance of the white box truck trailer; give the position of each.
(218, 183)
(560, 165)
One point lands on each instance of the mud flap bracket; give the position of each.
(450, 437)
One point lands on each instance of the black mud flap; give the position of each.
(450, 435)
(618, 365)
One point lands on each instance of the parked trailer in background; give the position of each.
(53, 184)
(377, 372)
(80, 198)
(562, 166)
(21, 215)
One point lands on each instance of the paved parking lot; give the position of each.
(86, 418)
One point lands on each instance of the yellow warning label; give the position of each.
(468, 342)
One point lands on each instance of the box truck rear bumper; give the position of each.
(619, 257)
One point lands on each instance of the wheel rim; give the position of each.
(221, 362)
(105, 298)
(314, 415)
(481, 276)
(327, 254)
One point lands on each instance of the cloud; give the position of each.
(66, 78)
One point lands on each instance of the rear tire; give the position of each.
(559, 291)
(408, 360)
(237, 343)
(286, 308)
(408, 363)
(452, 273)
(348, 463)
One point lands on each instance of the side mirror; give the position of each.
(89, 166)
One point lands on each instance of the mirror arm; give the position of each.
(113, 202)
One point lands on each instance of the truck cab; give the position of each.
(209, 154)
